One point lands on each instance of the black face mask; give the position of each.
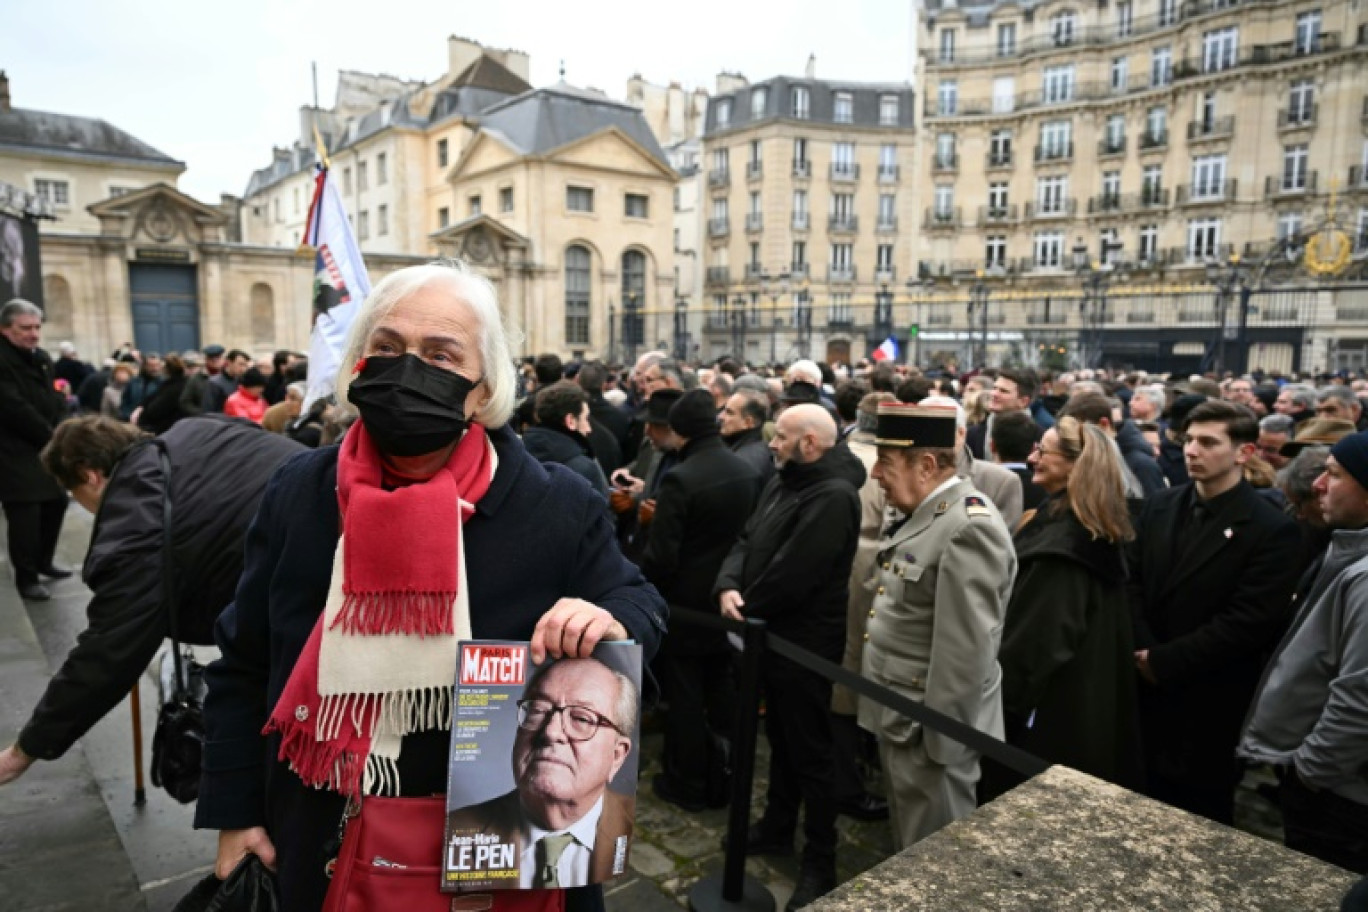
(408, 406)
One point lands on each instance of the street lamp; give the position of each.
(775, 286)
(1096, 279)
(802, 319)
(681, 330)
(738, 328)
(612, 332)
(914, 289)
(978, 309)
(1229, 277)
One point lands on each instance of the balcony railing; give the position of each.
(885, 274)
(845, 171)
(1050, 318)
(994, 215)
(1290, 185)
(1054, 152)
(719, 275)
(843, 224)
(755, 221)
(1153, 139)
(1213, 129)
(1058, 209)
(1106, 202)
(886, 223)
(1298, 118)
(802, 167)
(1000, 159)
(840, 273)
(942, 161)
(1209, 192)
(802, 221)
(888, 174)
(755, 170)
(719, 177)
(799, 271)
(1116, 146)
(718, 227)
(1147, 198)
(754, 272)
(941, 219)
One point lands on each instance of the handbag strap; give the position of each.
(182, 685)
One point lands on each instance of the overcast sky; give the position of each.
(217, 84)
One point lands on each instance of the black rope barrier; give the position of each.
(734, 890)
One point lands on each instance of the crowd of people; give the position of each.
(1156, 580)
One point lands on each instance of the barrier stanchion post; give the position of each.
(734, 890)
(139, 791)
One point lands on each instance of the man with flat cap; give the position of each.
(945, 574)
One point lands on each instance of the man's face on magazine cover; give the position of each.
(560, 777)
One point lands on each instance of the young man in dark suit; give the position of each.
(1210, 593)
(1014, 435)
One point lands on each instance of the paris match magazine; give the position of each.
(541, 781)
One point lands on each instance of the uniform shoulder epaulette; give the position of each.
(975, 505)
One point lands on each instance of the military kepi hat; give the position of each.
(903, 425)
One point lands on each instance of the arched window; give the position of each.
(633, 297)
(577, 272)
(58, 318)
(263, 316)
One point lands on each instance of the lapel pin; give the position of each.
(1229, 533)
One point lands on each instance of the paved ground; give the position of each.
(71, 838)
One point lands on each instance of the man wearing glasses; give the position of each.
(575, 725)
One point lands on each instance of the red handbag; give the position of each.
(390, 860)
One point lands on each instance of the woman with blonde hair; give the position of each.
(1068, 678)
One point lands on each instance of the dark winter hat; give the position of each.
(694, 415)
(658, 406)
(1184, 404)
(213, 351)
(1352, 453)
(800, 391)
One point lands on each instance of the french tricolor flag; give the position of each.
(888, 351)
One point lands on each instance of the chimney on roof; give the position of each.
(4, 92)
(811, 71)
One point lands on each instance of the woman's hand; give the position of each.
(572, 628)
(235, 845)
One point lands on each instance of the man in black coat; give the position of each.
(1212, 575)
(609, 437)
(701, 507)
(791, 567)
(218, 471)
(30, 408)
(225, 382)
(561, 433)
(743, 428)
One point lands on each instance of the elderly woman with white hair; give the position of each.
(450, 531)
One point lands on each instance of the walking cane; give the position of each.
(139, 792)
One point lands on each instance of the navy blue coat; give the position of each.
(539, 534)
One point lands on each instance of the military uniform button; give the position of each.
(871, 612)
(866, 638)
(881, 590)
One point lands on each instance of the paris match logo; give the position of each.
(496, 665)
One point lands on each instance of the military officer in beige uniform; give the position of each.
(945, 574)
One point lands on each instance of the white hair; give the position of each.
(961, 420)
(1154, 396)
(468, 286)
(807, 369)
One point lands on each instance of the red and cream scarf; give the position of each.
(381, 661)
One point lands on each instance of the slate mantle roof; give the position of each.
(77, 137)
(544, 119)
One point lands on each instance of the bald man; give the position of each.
(791, 567)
